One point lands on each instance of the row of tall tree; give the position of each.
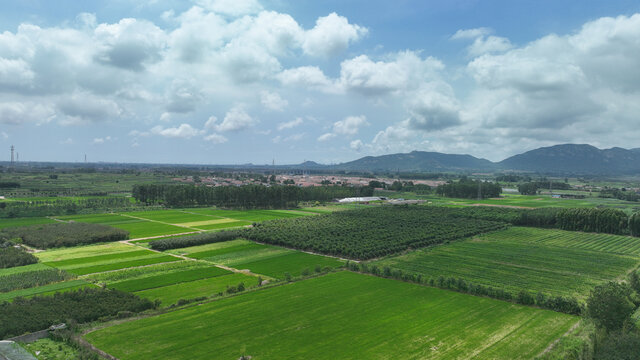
(247, 196)
(469, 189)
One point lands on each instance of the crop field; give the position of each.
(157, 281)
(267, 260)
(251, 215)
(44, 290)
(198, 288)
(99, 258)
(5, 223)
(550, 261)
(83, 251)
(146, 271)
(318, 318)
(23, 269)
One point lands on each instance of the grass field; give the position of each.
(199, 288)
(148, 260)
(162, 280)
(551, 261)
(83, 251)
(267, 260)
(23, 269)
(146, 271)
(5, 223)
(340, 316)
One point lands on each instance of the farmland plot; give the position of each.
(340, 316)
(554, 262)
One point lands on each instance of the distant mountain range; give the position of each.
(558, 159)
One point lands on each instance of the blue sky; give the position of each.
(239, 81)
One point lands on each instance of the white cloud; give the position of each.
(402, 71)
(235, 119)
(290, 124)
(184, 131)
(5, 136)
(99, 141)
(216, 138)
(471, 33)
(331, 36)
(350, 125)
(356, 145)
(83, 108)
(307, 76)
(232, 7)
(17, 113)
(273, 101)
(434, 108)
(326, 137)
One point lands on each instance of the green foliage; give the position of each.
(64, 234)
(609, 305)
(31, 279)
(89, 304)
(611, 221)
(530, 188)
(370, 232)
(11, 256)
(246, 197)
(469, 189)
(193, 240)
(634, 224)
(619, 346)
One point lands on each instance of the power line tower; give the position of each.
(13, 148)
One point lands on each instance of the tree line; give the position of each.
(24, 315)
(246, 197)
(469, 189)
(63, 234)
(13, 209)
(11, 256)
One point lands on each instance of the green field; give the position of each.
(44, 290)
(148, 260)
(23, 269)
(250, 215)
(146, 271)
(157, 281)
(83, 251)
(199, 288)
(340, 316)
(267, 260)
(5, 223)
(555, 262)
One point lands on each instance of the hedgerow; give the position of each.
(64, 234)
(39, 312)
(193, 240)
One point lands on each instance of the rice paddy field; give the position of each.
(340, 316)
(555, 262)
(268, 260)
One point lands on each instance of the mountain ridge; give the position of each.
(562, 158)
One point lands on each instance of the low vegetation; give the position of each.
(310, 319)
(89, 304)
(31, 279)
(193, 240)
(64, 234)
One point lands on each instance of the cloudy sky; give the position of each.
(239, 81)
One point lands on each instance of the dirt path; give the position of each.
(550, 347)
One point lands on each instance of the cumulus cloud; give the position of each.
(102, 140)
(235, 119)
(331, 35)
(308, 77)
(85, 108)
(471, 33)
(356, 145)
(17, 113)
(130, 44)
(184, 131)
(290, 124)
(273, 101)
(350, 125)
(434, 108)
